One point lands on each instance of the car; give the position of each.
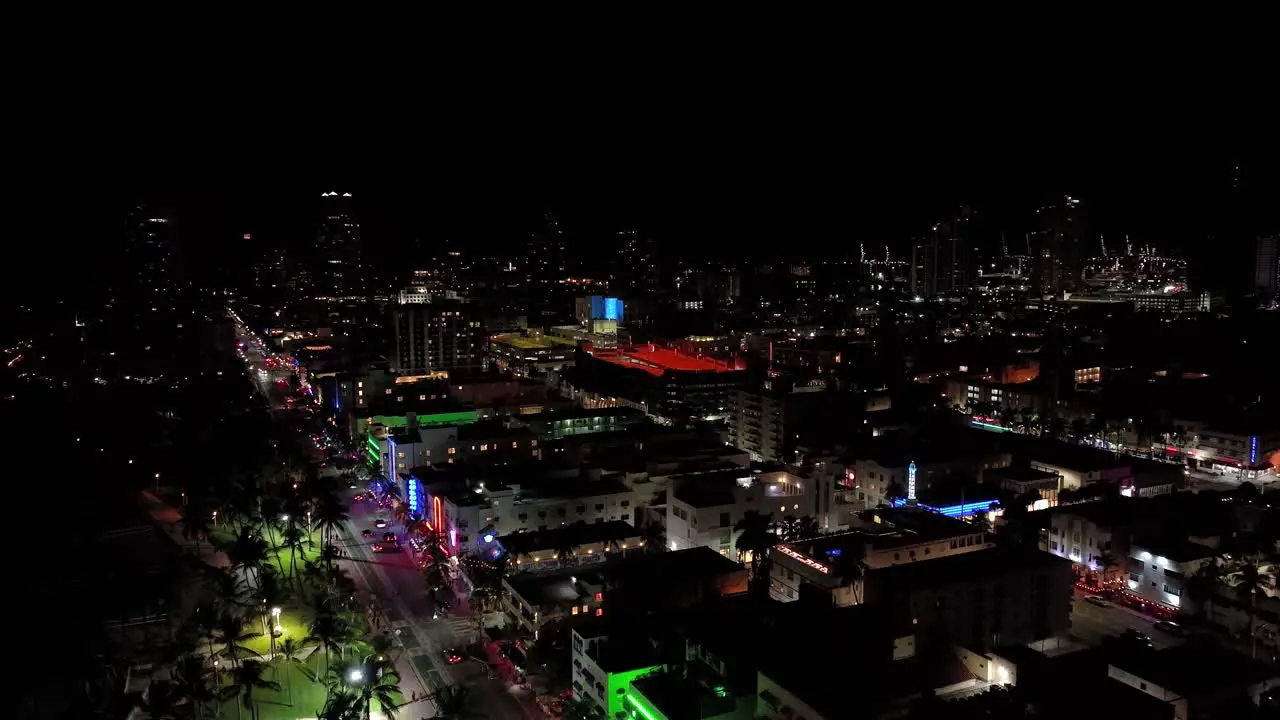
(381, 548)
(452, 656)
(1136, 635)
(359, 497)
(390, 538)
(367, 532)
(1095, 600)
(380, 523)
(1170, 627)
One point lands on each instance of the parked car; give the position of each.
(1095, 600)
(1170, 627)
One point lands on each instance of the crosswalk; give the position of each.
(463, 628)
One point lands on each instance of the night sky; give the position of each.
(729, 140)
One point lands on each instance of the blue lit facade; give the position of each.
(606, 308)
(1253, 450)
(955, 511)
(414, 496)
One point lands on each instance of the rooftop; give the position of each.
(1178, 549)
(679, 697)
(557, 590)
(490, 429)
(575, 535)
(1020, 474)
(522, 341)
(1195, 668)
(657, 361)
(723, 487)
(966, 567)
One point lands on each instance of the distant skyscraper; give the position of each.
(638, 269)
(436, 335)
(548, 258)
(337, 270)
(944, 262)
(151, 258)
(1055, 247)
(1266, 267)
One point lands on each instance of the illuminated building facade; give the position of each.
(444, 335)
(337, 268)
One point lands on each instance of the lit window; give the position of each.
(575, 610)
(360, 384)
(387, 391)
(514, 444)
(422, 397)
(400, 455)
(599, 612)
(484, 447)
(399, 398)
(533, 443)
(599, 596)
(453, 451)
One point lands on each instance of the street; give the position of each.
(397, 583)
(1090, 623)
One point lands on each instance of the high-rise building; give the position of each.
(150, 257)
(1266, 267)
(337, 270)
(638, 271)
(436, 335)
(944, 262)
(548, 258)
(1055, 247)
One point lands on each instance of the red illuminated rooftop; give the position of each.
(657, 360)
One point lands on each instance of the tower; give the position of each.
(1055, 247)
(337, 270)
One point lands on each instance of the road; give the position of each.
(398, 582)
(1090, 623)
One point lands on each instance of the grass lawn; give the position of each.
(294, 625)
(308, 696)
(225, 533)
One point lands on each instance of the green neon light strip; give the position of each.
(644, 709)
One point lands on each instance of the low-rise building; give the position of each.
(1078, 466)
(839, 564)
(603, 669)
(767, 419)
(1159, 569)
(533, 600)
(883, 466)
(703, 508)
(1196, 681)
(577, 545)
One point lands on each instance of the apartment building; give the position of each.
(603, 669)
(703, 508)
(1159, 568)
(886, 537)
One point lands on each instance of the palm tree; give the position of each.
(453, 702)
(850, 570)
(654, 537)
(754, 537)
(339, 705)
(191, 678)
(1107, 562)
(197, 519)
(330, 631)
(246, 551)
(1252, 582)
(797, 528)
(288, 655)
(248, 678)
(297, 540)
(232, 635)
(381, 683)
(1203, 584)
(330, 515)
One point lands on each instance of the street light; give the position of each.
(356, 675)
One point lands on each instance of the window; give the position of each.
(1173, 590)
(422, 397)
(724, 519)
(453, 451)
(599, 507)
(514, 444)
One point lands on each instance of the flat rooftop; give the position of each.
(965, 567)
(657, 361)
(558, 590)
(521, 341)
(1196, 668)
(901, 527)
(575, 535)
(1020, 474)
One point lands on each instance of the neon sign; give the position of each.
(802, 558)
(911, 481)
(1253, 449)
(955, 511)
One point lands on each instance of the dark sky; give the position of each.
(728, 134)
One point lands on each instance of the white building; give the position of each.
(1158, 570)
(702, 509)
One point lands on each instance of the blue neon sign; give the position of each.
(1253, 449)
(955, 511)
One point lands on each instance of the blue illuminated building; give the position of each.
(955, 511)
(606, 308)
(1253, 449)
